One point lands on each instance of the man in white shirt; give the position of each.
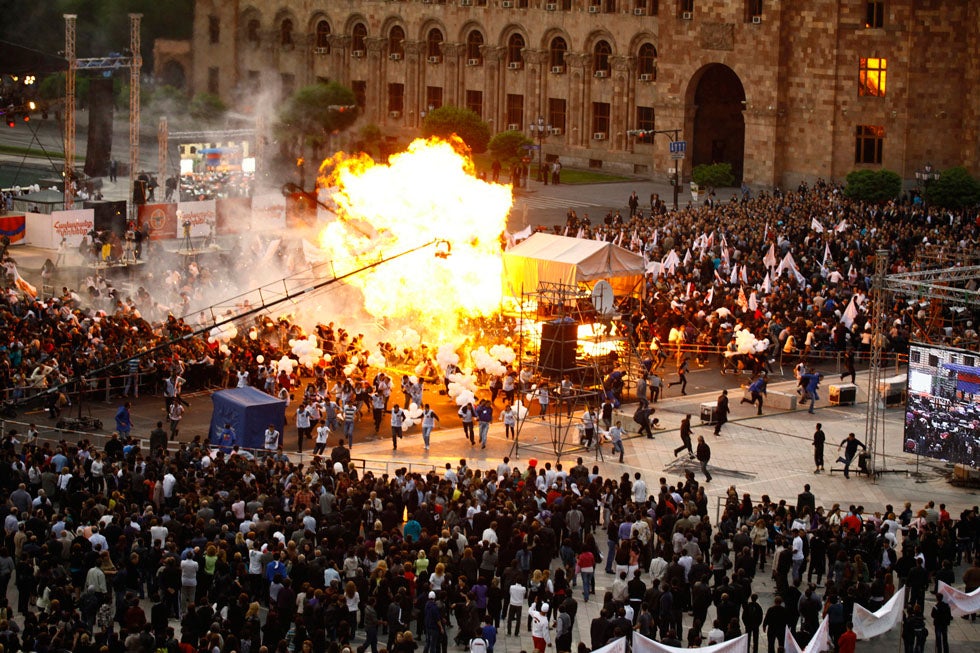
(798, 557)
(490, 534)
(639, 488)
(540, 629)
(271, 439)
(518, 593)
(188, 580)
(716, 635)
(503, 469)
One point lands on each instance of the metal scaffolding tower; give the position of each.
(875, 403)
(135, 65)
(134, 61)
(70, 20)
(163, 137)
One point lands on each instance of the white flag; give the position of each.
(743, 275)
(841, 226)
(770, 258)
(566, 231)
(767, 285)
(687, 257)
(656, 235)
(850, 313)
(710, 297)
(816, 226)
(581, 232)
(826, 254)
(753, 302)
(733, 279)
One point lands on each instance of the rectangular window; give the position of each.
(515, 111)
(915, 356)
(288, 81)
(933, 360)
(433, 97)
(875, 14)
(871, 76)
(396, 97)
(969, 361)
(753, 10)
(685, 8)
(608, 6)
(868, 144)
(600, 118)
(644, 121)
(214, 75)
(474, 102)
(557, 113)
(214, 29)
(360, 92)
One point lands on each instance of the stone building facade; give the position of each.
(784, 91)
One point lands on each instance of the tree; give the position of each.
(873, 185)
(316, 111)
(509, 146)
(207, 107)
(714, 175)
(955, 189)
(465, 123)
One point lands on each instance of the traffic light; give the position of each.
(10, 121)
(27, 117)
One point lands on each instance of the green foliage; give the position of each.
(316, 111)
(207, 107)
(509, 146)
(52, 88)
(955, 189)
(465, 123)
(714, 175)
(873, 185)
(167, 101)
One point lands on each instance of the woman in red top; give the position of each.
(586, 567)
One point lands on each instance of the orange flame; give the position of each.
(426, 193)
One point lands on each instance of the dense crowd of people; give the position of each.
(112, 549)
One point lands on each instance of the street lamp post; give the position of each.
(674, 135)
(541, 129)
(924, 177)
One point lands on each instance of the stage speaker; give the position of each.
(709, 412)
(139, 191)
(559, 340)
(109, 216)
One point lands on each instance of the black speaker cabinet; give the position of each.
(109, 216)
(559, 340)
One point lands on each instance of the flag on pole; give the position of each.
(23, 285)
(743, 302)
(841, 226)
(619, 240)
(656, 235)
(566, 231)
(766, 284)
(815, 225)
(850, 313)
(753, 302)
(687, 257)
(826, 254)
(743, 275)
(710, 297)
(733, 279)
(765, 234)
(581, 232)
(770, 258)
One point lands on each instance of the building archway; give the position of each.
(717, 98)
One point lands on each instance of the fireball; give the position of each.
(429, 192)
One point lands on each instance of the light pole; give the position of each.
(542, 130)
(674, 135)
(924, 177)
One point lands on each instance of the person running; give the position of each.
(616, 436)
(429, 419)
(758, 389)
(682, 371)
(397, 420)
(850, 445)
(322, 434)
(685, 438)
(175, 413)
(468, 414)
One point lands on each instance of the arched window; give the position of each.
(252, 31)
(647, 62)
(323, 35)
(286, 32)
(433, 43)
(473, 42)
(357, 38)
(557, 51)
(396, 41)
(515, 47)
(600, 58)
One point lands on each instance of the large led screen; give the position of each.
(942, 416)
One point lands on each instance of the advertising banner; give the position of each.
(162, 219)
(268, 212)
(72, 225)
(201, 215)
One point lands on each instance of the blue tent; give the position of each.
(249, 411)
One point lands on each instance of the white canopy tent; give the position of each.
(571, 261)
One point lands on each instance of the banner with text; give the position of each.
(643, 644)
(869, 624)
(200, 215)
(960, 603)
